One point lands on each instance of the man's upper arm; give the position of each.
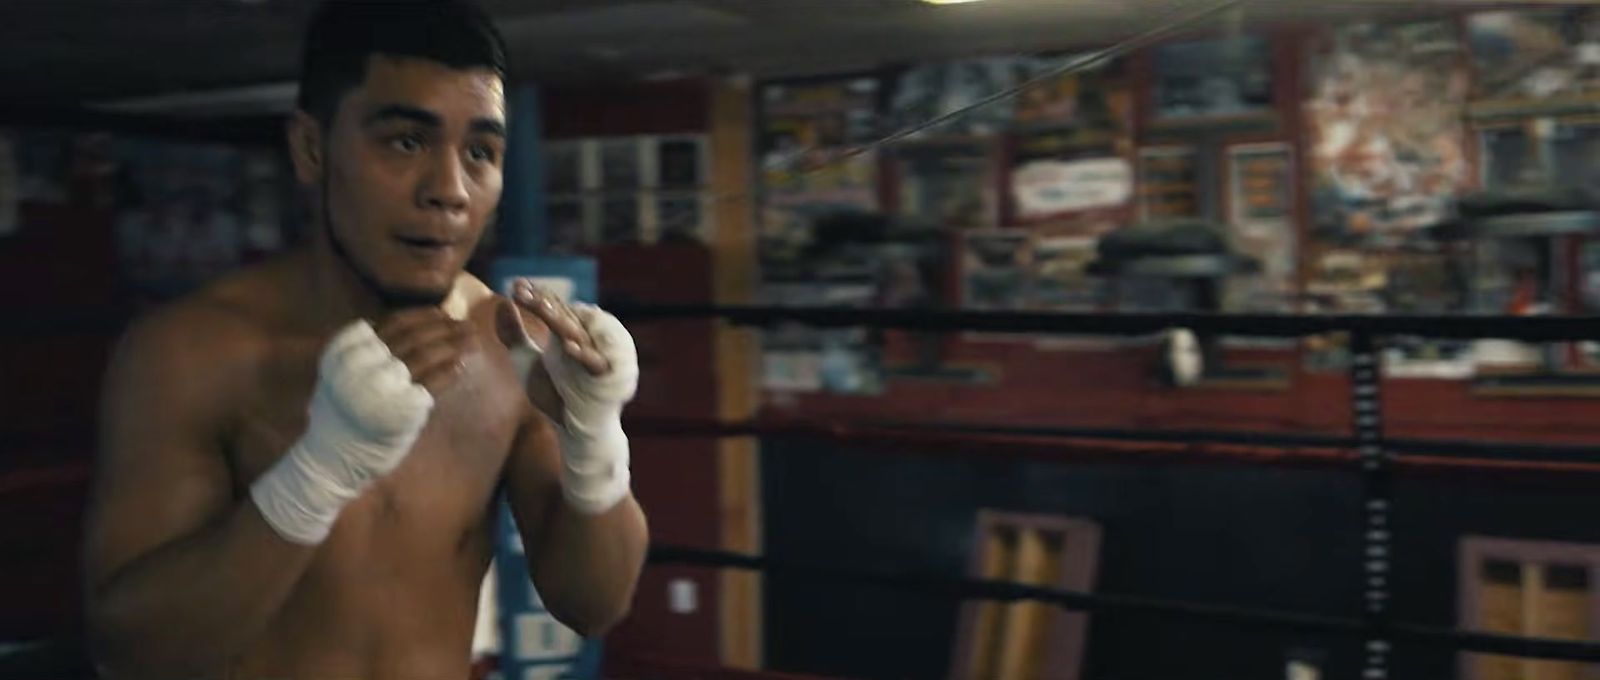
(533, 472)
(160, 474)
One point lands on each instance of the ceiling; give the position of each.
(55, 53)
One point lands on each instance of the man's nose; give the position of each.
(445, 186)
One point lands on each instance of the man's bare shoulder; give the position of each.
(226, 326)
(467, 297)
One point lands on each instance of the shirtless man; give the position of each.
(299, 463)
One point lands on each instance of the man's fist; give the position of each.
(366, 412)
(429, 343)
(587, 370)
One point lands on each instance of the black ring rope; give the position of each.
(1530, 328)
(963, 589)
(1445, 448)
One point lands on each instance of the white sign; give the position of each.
(1044, 188)
(540, 637)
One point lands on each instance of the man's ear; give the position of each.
(305, 147)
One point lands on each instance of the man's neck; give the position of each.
(336, 294)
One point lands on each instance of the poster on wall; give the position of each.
(819, 214)
(1260, 178)
(948, 187)
(569, 231)
(681, 218)
(1058, 273)
(619, 220)
(931, 90)
(804, 124)
(1575, 147)
(1050, 187)
(1387, 130)
(619, 164)
(806, 359)
(1059, 281)
(1089, 107)
(263, 196)
(179, 214)
(679, 164)
(1207, 79)
(844, 184)
(1169, 182)
(794, 243)
(563, 168)
(1535, 53)
(995, 268)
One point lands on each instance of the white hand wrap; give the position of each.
(594, 449)
(365, 414)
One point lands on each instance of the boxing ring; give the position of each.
(1368, 452)
(1364, 452)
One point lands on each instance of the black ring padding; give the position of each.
(1258, 619)
(1496, 450)
(1478, 450)
(1475, 450)
(1465, 327)
(1241, 437)
(50, 323)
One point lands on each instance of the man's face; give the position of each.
(413, 173)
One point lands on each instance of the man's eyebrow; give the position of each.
(489, 126)
(402, 112)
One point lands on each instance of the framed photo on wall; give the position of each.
(563, 167)
(679, 163)
(1169, 182)
(680, 218)
(1261, 218)
(949, 186)
(1226, 78)
(1558, 40)
(1261, 177)
(620, 164)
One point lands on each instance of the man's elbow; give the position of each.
(116, 658)
(118, 651)
(595, 620)
(110, 647)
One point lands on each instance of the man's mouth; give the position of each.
(424, 246)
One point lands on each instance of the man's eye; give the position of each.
(482, 154)
(406, 143)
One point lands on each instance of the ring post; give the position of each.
(532, 643)
(1366, 398)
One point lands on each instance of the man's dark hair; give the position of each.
(344, 33)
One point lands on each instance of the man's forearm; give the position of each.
(188, 606)
(586, 566)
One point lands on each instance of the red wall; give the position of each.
(1117, 388)
(641, 109)
(675, 479)
(58, 325)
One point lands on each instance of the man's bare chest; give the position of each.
(450, 474)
